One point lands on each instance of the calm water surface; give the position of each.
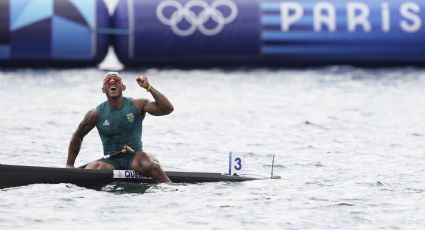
(349, 145)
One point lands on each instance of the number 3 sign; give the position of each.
(236, 164)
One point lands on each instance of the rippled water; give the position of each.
(349, 145)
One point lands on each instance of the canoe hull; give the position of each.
(16, 175)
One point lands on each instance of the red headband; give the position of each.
(109, 78)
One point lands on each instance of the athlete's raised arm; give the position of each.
(86, 125)
(161, 105)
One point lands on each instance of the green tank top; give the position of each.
(119, 127)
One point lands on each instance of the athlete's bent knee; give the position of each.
(156, 166)
(147, 166)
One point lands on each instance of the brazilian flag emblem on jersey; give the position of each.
(130, 117)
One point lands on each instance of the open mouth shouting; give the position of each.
(113, 88)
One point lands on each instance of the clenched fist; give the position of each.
(143, 81)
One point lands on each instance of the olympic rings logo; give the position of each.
(196, 20)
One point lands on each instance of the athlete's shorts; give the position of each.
(121, 161)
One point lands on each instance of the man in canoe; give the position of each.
(119, 123)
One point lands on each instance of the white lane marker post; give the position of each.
(273, 176)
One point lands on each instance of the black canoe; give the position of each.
(16, 175)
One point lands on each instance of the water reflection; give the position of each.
(125, 188)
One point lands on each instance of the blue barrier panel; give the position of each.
(52, 32)
(276, 32)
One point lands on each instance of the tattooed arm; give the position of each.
(86, 125)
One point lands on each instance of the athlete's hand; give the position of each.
(143, 81)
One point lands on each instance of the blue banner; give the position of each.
(271, 31)
(52, 32)
(343, 30)
(190, 29)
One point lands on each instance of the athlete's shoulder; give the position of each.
(91, 116)
(140, 103)
(92, 111)
(101, 106)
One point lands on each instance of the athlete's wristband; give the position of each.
(149, 88)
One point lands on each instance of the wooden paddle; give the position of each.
(125, 149)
